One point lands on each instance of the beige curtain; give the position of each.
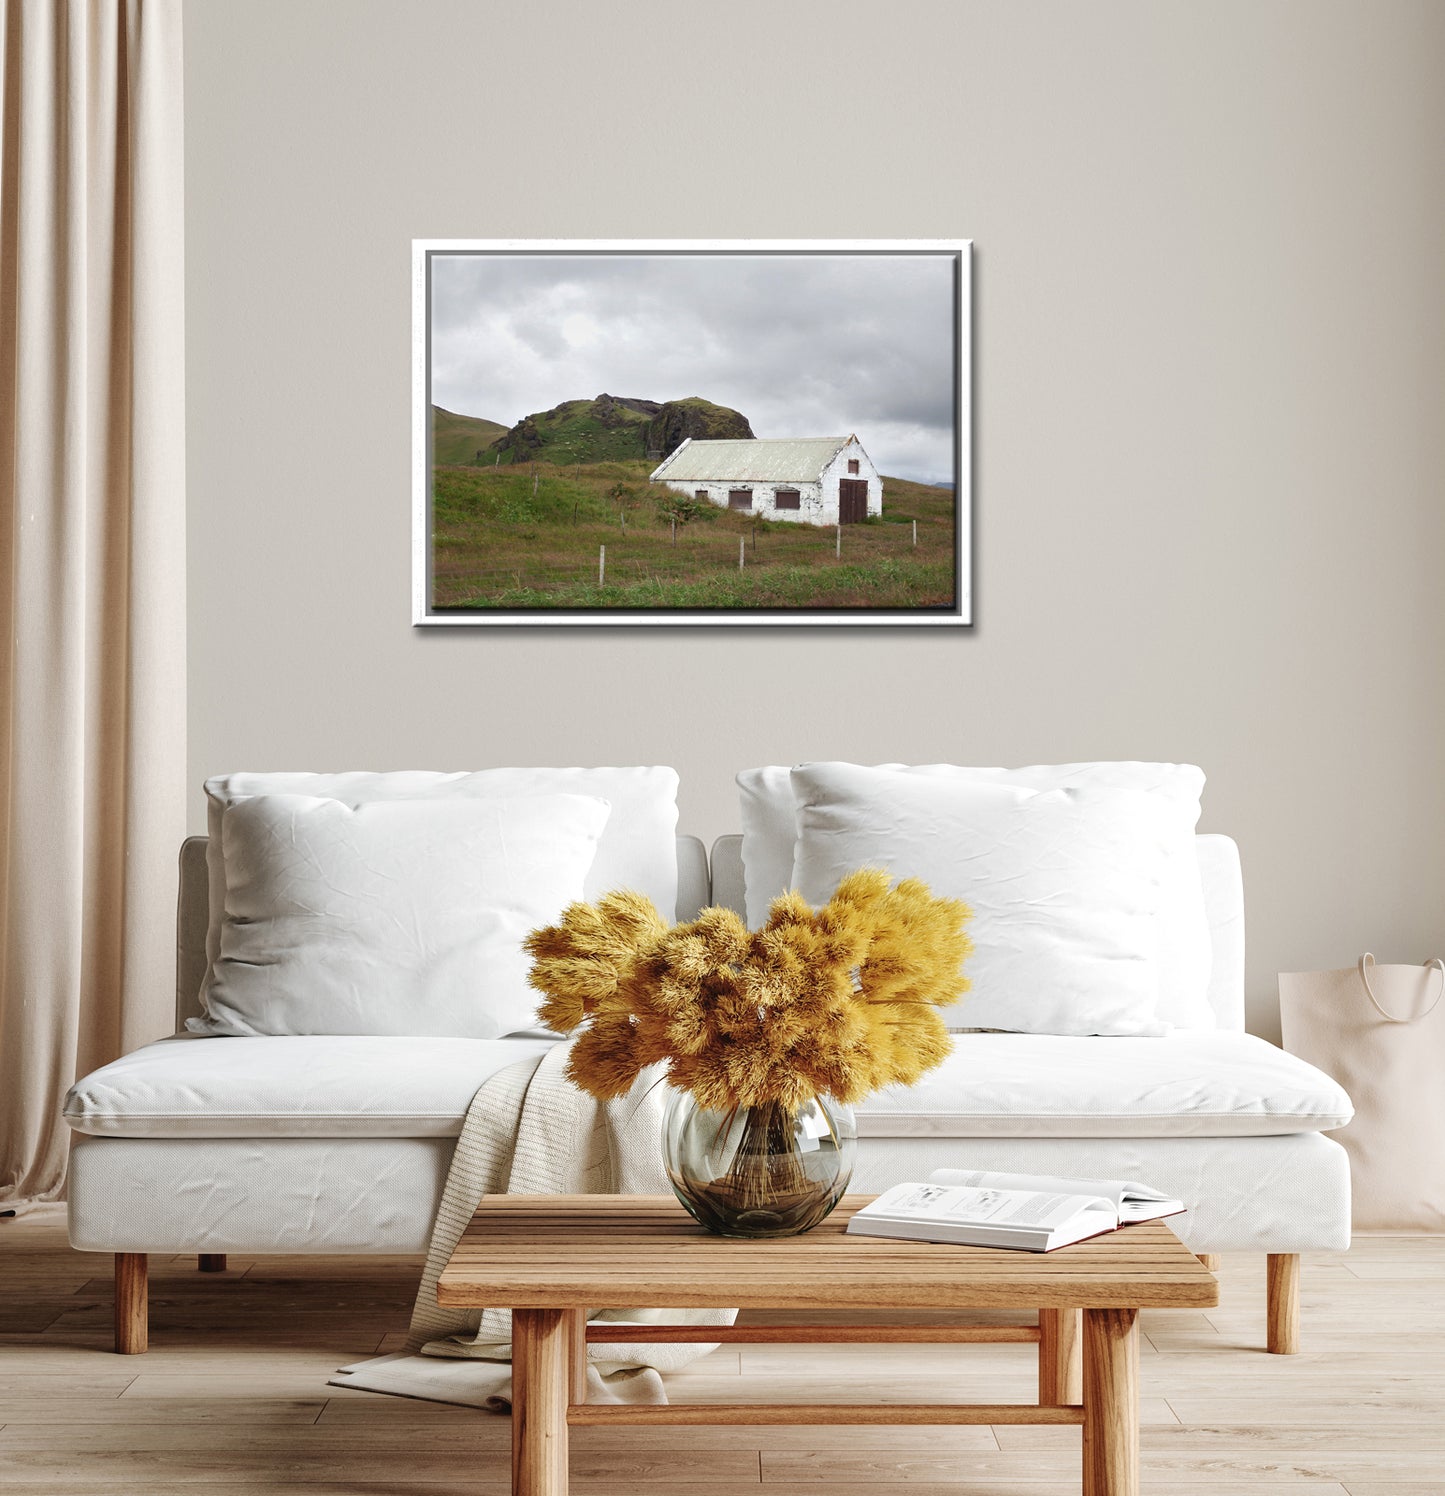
(92, 538)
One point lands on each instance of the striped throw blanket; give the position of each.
(530, 1131)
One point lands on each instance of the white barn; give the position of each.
(821, 480)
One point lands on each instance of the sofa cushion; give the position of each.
(1064, 886)
(770, 828)
(1214, 1084)
(638, 847)
(403, 917)
(291, 1087)
(993, 1085)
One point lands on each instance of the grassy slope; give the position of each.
(457, 439)
(499, 545)
(572, 433)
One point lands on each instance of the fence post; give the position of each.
(674, 529)
(601, 565)
(915, 533)
(838, 549)
(742, 543)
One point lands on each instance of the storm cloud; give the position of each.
(803, 345)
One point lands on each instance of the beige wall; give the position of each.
(1210, 375)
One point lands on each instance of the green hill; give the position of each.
(612, 428)
(457, 439)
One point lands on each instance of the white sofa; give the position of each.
(341, 1145)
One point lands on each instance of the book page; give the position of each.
(957, 1205)
(1104, 1189)
(1133, 1202)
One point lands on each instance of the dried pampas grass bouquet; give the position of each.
(767, 1036)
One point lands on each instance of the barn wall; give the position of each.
(1208, 354)
(837, 470)
(810, 508)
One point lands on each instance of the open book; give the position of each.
(1030, 1212)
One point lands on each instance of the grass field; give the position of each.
(515, 537)
(459, 438)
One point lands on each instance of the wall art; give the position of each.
(670, 432)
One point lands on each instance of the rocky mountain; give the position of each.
(700, 419)
(616, 427)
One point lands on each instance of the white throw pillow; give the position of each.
(401, 917)
(1064, 885)
(769, 824)
(638, 848)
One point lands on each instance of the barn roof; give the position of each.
(754, 460)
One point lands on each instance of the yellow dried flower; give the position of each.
(840, 1000)
(579, 962)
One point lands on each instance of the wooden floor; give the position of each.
(232, 1397)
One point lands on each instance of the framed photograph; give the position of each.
(751, 432)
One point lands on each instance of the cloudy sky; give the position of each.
(816, 345)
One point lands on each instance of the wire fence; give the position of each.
(632, 557)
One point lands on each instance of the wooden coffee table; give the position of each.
(550, 1258)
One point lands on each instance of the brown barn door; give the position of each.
(852, 500)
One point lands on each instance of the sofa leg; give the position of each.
(1061, 1374)
(1210, 1260)
(132, 1318)
(1283, 1303)
(211, 1262)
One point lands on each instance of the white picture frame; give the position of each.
(955, 611)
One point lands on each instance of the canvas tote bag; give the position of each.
(1380, 1032)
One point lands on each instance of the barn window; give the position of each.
(787, 498)
(700, 494)
(852, 464)
(740, 498)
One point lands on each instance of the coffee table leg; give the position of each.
(577, 1355)
(519, 1400)
(541, 1377)
(1060, 1370)
(1111, 1402)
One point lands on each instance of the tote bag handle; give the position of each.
(1367, 961)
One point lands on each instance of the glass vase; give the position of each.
(763, 1170)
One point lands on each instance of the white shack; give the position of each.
(820, 480)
